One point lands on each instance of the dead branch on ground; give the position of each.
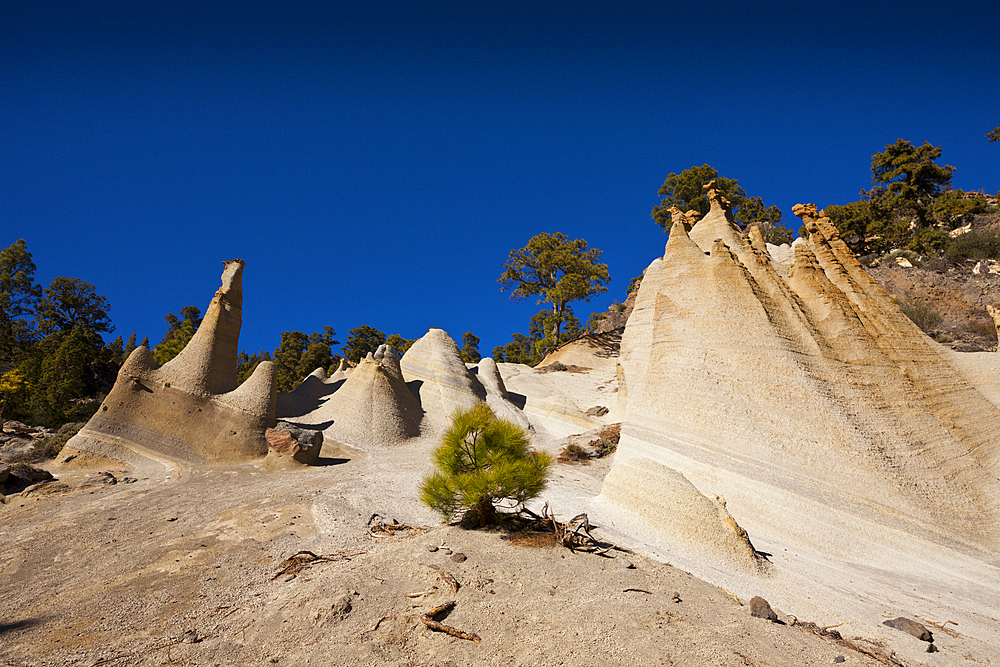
(303, 559)
(448, 579)
(377, 524)
(428, 620)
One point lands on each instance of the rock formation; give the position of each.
(190, 409)
(994, 312)
(435, 373)
(814, 391)
(371, 408)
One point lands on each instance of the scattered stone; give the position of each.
(191, 637)
(342, 606)
(301, 444)
(47, 488)
(431, 548)
(760, 608)
(19, 428)
(69, 458)
(446, 551)
(459, 557)
(626, 563)
(98, 479)
(597, 411)
(173, 518)
(931, 648)
(910, 626)
(19, 476)
(676, 597)
(129, 480)
(840, 658)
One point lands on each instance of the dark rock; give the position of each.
(18, 476)
(459, 557)
(99, 479)
(912, 627)
(760, 608)
(676, 597)
(597, 411)
(69, 458)
(840, 658)
(301, 444)
(931, 648)
(129, 480)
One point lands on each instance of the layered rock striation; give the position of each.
(190, 409)
(819, 409)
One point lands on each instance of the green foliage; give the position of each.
(180, 330)
(246, 364)
(685, 191)
(361, 341)
(993, 135)
(483, 463)
(129, 348)
(18, 295)
(775, 234)
(60, 371)
(400, 344)
(298, 355)
(906, 180)
(70, 303)
(470, 348)
(558, 271)
(953, 209)
(979, 243)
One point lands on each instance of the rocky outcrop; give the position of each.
(994, 312)
(190, 409)
(812, 390)
(302, 445)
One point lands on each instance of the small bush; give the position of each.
(920, 312)
(573, 453)
(47, 448)
(984, 328)
(483, 463)
(981, 243)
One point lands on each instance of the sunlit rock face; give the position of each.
(806, 397)
(189, 409)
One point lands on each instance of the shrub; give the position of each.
(47, 448)
(920, 312)
(573, 453)
(981, 243)
(483, 463)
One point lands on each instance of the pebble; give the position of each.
(840, 658)
(446, 551)
(626, 563)
(459, 557)
(759, 608)
(676, 597)
(432, 548)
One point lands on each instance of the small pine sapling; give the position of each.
(481, 463)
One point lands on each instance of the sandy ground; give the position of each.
(119, 575)
(122, 574)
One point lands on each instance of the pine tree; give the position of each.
(483, 463)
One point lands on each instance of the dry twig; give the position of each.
(422, 593)
(377, 524)
(428, 620)
(303, 559)
(448, 579)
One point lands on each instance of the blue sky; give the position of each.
(374, 163)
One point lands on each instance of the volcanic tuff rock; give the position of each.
(190, 409)
(814, 391)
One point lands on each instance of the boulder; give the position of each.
(910, 626)
(301, 444)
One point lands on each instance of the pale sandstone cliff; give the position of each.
(190, 409)
(814, 392)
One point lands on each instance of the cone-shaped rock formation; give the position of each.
(190, 409)
(812, 390)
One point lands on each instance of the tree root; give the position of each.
(377, 524)
(428, 620)
(448, 579)
(303, 559)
